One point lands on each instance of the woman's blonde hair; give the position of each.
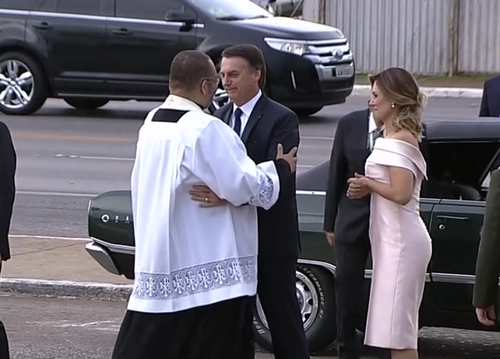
(400, 88)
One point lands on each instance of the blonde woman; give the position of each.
(401, 245)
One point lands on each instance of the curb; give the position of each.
(59, 289)
(439, 92)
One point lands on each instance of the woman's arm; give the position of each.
(400, 188)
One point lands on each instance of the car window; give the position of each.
(230, 9)
(18, 4)
(80, 7)
(150, 10)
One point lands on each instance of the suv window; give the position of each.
(154, 10)
(80, 7)
(18, 4)
(230, 9)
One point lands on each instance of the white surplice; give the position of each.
(187, 256)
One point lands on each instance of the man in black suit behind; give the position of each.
(346, 222)
(7, 194)
(490, 102)
(262, 124)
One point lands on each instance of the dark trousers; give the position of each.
(222, 330)
(277, 294)
(4, 343)
(349, 281)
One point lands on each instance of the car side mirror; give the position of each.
(180, 16)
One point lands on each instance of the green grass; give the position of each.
(441, 80)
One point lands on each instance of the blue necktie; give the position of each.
(237, 121)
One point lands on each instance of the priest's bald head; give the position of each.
(193, 76)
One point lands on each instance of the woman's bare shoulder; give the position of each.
(406, 136)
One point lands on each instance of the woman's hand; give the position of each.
(358, 187)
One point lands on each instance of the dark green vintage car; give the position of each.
(460, 154)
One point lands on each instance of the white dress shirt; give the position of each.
(246, 110)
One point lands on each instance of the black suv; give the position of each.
(89, 52)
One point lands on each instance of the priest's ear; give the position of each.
(209, 86)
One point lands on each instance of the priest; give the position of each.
(195, 270)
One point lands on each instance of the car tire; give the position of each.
(307, 111)
(316, 286)
(85, 103)
(22, 72)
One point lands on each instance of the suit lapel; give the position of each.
(361, 129)
(226, 113)
(255, 116)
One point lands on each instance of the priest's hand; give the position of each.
(290, 157)
(206, 196)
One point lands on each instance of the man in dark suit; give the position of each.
(490, 102)
(7, 194)
(262, 124)
(488, 258)
(346, 222)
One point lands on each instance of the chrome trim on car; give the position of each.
(341, 41)
(102, 257)
(455, 278)
(115, 248)
(312, 193)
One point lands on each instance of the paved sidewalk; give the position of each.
(55, 259)
(59, 268)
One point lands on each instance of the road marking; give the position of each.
(316, 138)
(103, 325)
(99, 158)
(18, 135)
(57, 194)
(76, 239)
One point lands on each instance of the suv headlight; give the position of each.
(294, 47)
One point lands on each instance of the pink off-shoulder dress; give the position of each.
(401, 250)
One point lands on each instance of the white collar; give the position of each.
(247, 108)
(180, 103)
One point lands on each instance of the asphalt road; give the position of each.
(66, 156)
(75, 329)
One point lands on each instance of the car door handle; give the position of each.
(42, 25)
(453, 218)
(122, 32)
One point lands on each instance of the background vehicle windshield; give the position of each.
(230, 9)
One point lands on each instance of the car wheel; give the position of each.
(306, 111)
(316, 296)
(86, 103)
(23, 85)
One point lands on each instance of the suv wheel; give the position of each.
(316, 296)
(23, 87)
(86, 103)
(306, 111)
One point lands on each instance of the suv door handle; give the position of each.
(122, 32)
(454, 218)
(42, 25)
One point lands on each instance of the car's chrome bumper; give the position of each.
(101, 256)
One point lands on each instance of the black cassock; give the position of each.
(218, 331)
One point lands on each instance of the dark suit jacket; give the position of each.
(349, 219)
(269, 124)
(7, 187)
(488, 259)
(490, 102)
